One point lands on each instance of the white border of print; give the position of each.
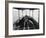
(20, 32)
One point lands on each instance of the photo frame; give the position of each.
(33, 15)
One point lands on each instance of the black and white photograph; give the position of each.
(25, 18)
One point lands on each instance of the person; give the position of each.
(26, 23)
